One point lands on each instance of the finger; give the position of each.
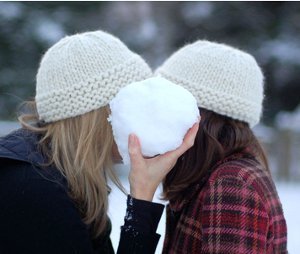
(191, 134)
(189, 138)
(186, 144)
(134, 149)
(188, 141)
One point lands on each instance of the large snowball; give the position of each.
(157, 111)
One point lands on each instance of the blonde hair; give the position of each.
(81, 149)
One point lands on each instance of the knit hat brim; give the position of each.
(94, 93)
(249, 112)
(223, 79)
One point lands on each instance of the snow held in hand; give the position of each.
(156, 110)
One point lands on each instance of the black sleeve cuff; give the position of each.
(142, 215)
(132, 242)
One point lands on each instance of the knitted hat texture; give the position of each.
(84, 72)
(222, 79)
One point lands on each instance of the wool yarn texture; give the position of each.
(83, 72)
(223, 79)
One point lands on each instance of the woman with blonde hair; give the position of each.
(222, 196)
(55, 170)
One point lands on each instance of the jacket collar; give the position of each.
(178, 204)
(21, 145)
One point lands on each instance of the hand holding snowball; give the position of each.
(161, 114)
(146, 174)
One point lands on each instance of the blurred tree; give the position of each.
(268, 30)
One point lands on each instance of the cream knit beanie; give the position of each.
(83, 72)
(223, 79)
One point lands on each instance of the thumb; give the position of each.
(134, 149)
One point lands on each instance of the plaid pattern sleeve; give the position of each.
(237, 211)
(234, 219)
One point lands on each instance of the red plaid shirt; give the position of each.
(237, 210)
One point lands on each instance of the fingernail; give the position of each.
(131, 145)
(131, 139)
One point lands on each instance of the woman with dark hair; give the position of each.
(222, 196)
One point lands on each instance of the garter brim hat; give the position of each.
(83, 72)
(223, 79)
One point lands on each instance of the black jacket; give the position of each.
(38, 216)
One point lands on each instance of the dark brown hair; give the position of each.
(218, 137)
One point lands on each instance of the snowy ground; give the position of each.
(289, 194)
(290, 197)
